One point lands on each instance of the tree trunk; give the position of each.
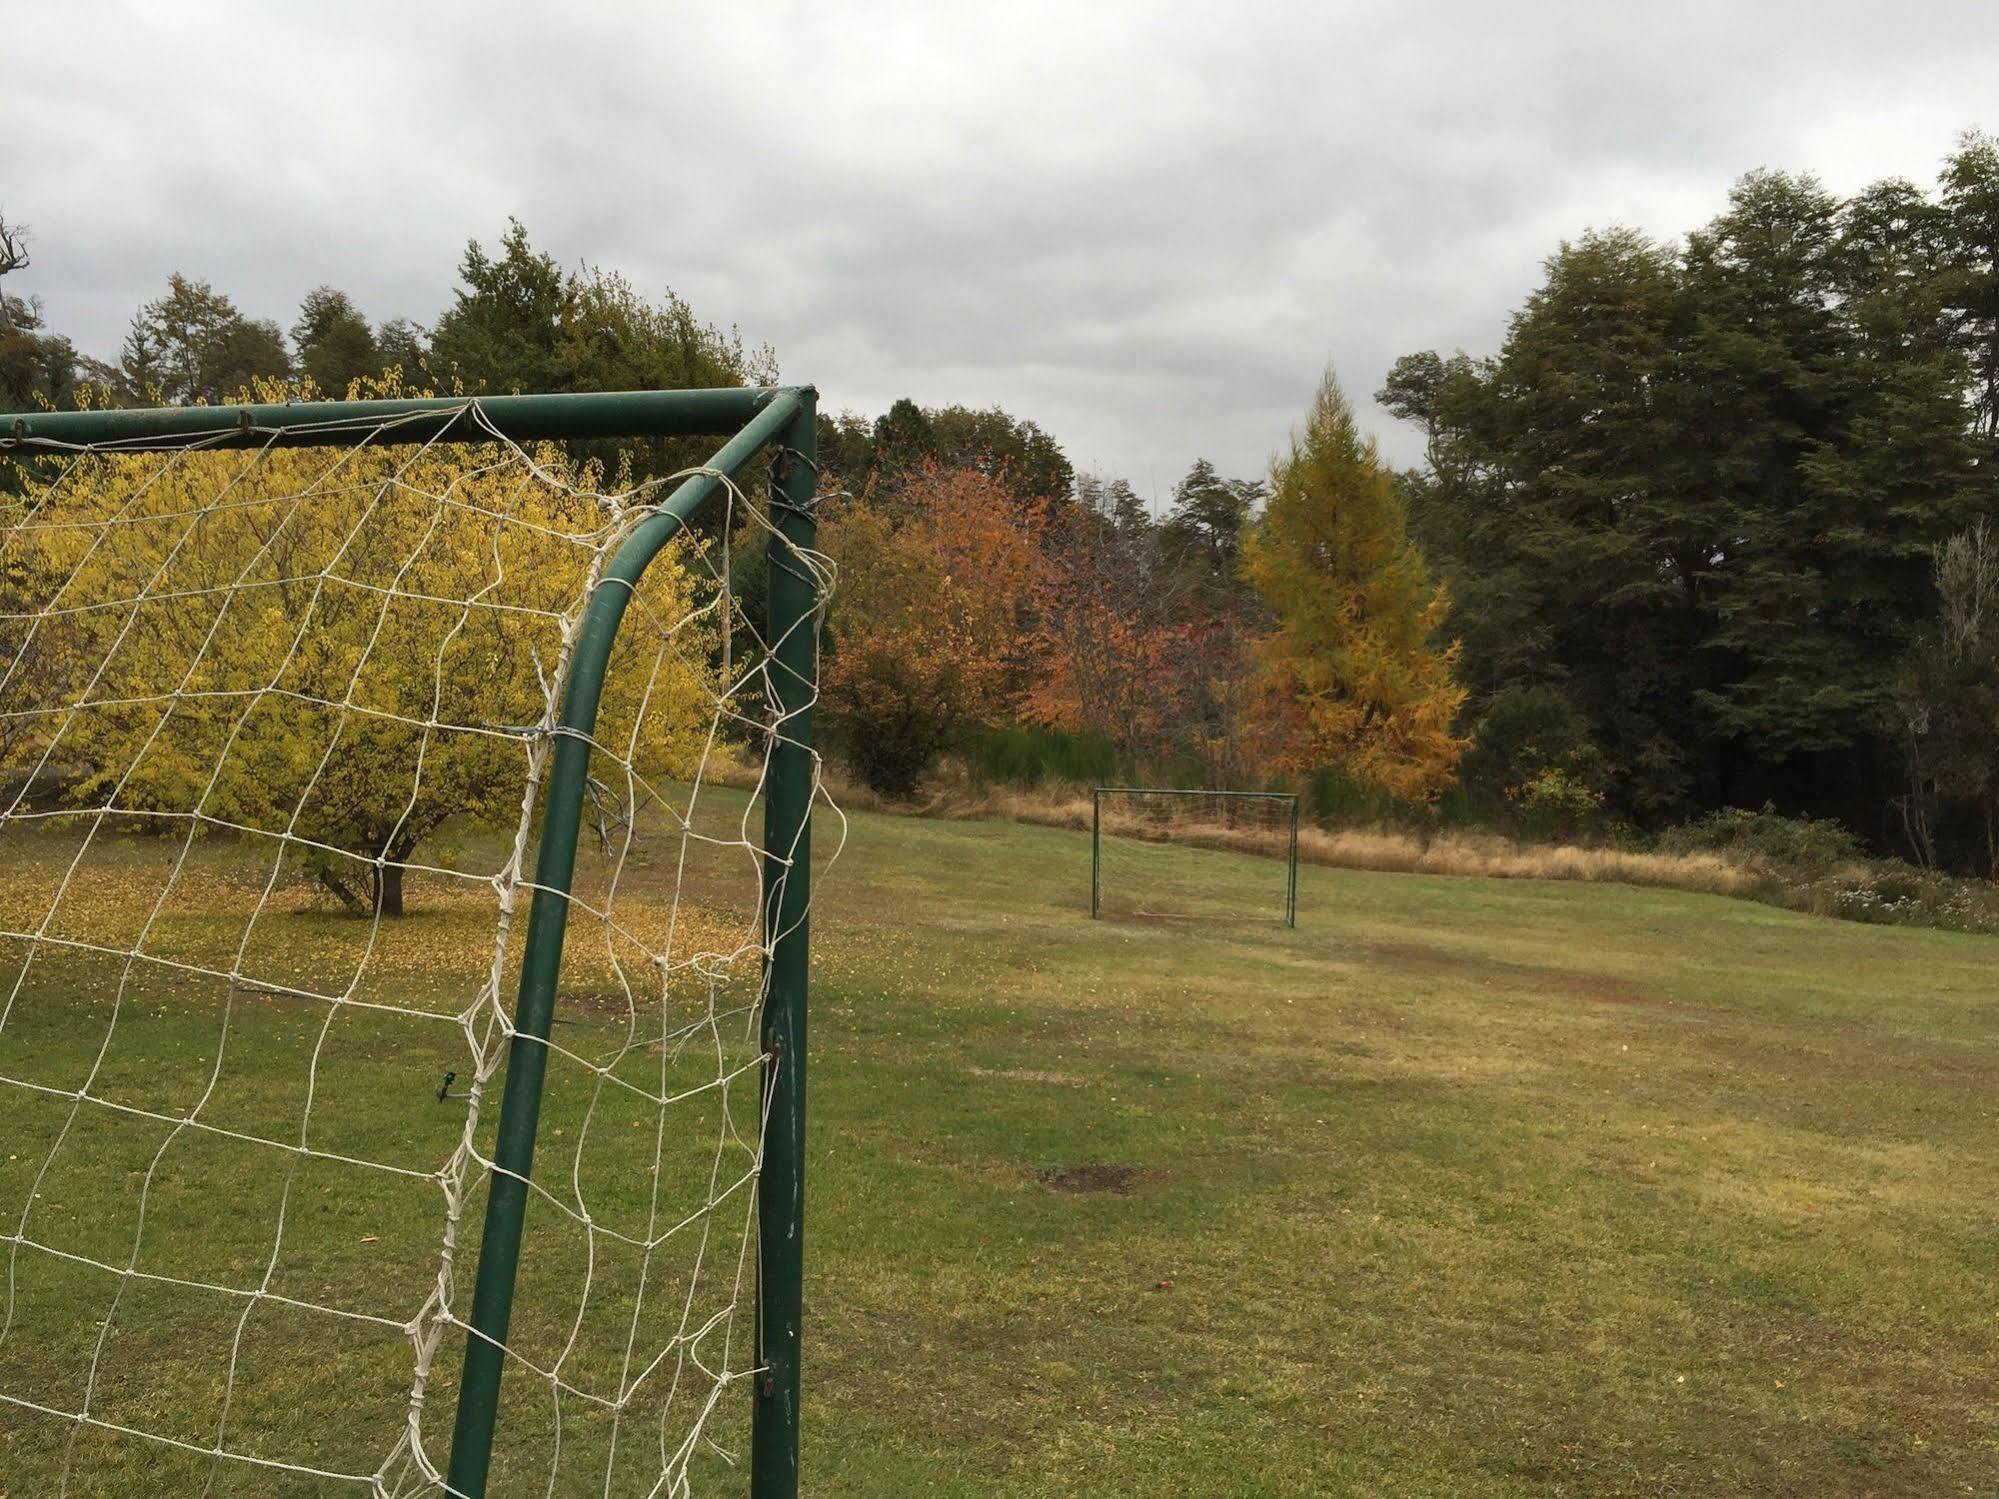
(344, 891)
(388, 889)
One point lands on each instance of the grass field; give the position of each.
(1462, 1188)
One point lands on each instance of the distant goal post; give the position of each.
(1260, 823)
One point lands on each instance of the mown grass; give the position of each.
(1465, 1187)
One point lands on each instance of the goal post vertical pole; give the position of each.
(541, 958)
(787, 876)
(1096, 853)
(1291, 883)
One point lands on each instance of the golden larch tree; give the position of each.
(1354, 661)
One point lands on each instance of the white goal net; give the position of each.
(274, 730)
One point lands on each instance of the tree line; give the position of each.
(985, 582)
(517, 321)
(1707, 513)
(1714, 527)
(1257, 630)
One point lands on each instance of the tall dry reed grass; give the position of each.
(1881, 891)
(1384, 850)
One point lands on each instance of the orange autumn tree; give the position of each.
(1111, 631)
(935, 629)
(1226, 725)
(1137, 658)
(1354, 661)
(1108, 675)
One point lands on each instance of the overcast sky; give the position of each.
(1148, 227)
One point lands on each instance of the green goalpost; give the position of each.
(218, 655)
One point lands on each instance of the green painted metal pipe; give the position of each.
(794, 597)
(1096, 854)
(1291, 882)
(527, 1055)
(577, 415)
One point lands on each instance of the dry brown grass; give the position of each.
(1385, 850)
(1880, 891)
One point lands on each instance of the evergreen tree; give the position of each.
(846, 451)
(1026, 461)
(1970, 281)
(1835, 439)
(1461, 519)
(334, 343)
(193, 346)
(502, 330)
(519, 324)
(1204, 529)
(1126, 510)
(1767, 363)
(904, 444)
(1697, 491)
(139, 373)
(1553, 511)
(611, 337)
(1024, 458)
(403, 345)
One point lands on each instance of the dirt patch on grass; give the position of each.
(1601, 990)
(1118, 1178)
(1595, 987)
(1031, 1075)
(1215, 923)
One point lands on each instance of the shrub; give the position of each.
(1017, 756)
(1533, 765)
(1553, 804)
(1806, 844)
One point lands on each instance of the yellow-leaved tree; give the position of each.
(342, 649)
(1354, 663)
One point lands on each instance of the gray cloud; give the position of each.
(1146, 226)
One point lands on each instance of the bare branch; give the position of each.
(13, 246)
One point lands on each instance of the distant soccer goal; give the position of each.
(404, 867)
(1160, 853)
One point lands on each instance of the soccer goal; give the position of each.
(1143, 865)
(404, 872)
